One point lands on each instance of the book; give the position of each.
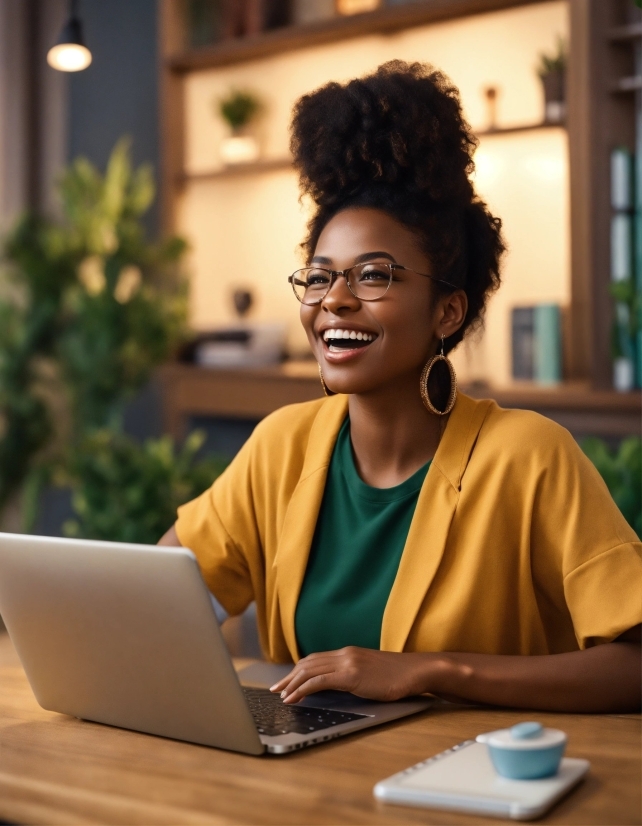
(621, 179)
(621, 247)
(626, 264)
(547, 356)
(536, 343)
(522, 344)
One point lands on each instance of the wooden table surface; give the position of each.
(56, 769)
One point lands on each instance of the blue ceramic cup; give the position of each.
(525, 751)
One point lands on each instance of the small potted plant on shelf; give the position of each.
(552, 72)
(238, 110)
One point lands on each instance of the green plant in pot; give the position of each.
(238, 110)
(621, 470)
(88, 308)
(127, 492)
(125, 312)
(552, 72)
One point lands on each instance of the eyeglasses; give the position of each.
(367, 282)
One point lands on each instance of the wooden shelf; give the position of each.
(189, 390)
(627, 84)
(290, 38)
(623, 33)
(277, 164)
(238, 170)
(511, 130)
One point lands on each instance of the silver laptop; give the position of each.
(127, 635)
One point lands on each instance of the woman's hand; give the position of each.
(375, 675)
(604, 679)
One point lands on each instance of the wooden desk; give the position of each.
(188, 390)
(56, 769)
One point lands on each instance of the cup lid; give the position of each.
(524, 736)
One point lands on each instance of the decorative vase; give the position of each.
(554, 84)
(239, 148)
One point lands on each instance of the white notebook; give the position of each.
(463, 779)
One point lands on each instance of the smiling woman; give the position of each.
(401, 538)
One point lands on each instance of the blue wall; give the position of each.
(118, 93)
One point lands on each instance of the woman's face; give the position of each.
(403, 328)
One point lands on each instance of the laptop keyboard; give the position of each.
(272, 717)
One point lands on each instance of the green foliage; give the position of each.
(127, 492)
(628, 315)
(238, 109)
(42, 268)
(553, 61)
(622, 472)
(88, 307)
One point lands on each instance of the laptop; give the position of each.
(127, 635)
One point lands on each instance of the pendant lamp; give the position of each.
(70, 53)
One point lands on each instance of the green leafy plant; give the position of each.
(40, 267)
(628, 317)
(238, 109)
(128, 492)
(622, 471)
(88, 308)
(126, 309)
(555, 61)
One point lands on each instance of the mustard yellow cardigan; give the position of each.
(516, 546)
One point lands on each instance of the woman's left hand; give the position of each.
(375, 675)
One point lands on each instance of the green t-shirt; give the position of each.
(359, 538)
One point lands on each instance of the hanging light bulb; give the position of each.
(70, 53)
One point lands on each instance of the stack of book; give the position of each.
(537, 343)
(626, 267)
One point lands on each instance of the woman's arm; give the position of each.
(170, 538)
(605, 678)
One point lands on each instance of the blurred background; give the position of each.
(150, 216)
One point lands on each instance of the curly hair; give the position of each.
(396, 141)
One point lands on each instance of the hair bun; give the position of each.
(399, 127)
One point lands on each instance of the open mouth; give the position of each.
(338, 341)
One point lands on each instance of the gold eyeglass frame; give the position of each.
(334, 274)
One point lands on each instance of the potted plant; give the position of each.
(238, 110)
(552, 73)
(88, 308)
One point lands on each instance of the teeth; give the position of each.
(329, 335)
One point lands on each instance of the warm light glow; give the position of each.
(244, 230)
(356, 6)
(69, 57)
(239, 149)
(488, 168)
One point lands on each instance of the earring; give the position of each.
(326, 391)
(423, 384)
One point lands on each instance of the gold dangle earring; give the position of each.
(423, 384)
(326, 391)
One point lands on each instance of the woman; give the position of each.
(396, 542)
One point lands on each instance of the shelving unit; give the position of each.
(251, 394)
(602, 86)
(236, 170)
(277, 164)
(288, 38)
(177, 61)
(601, 115)
(512, 130)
